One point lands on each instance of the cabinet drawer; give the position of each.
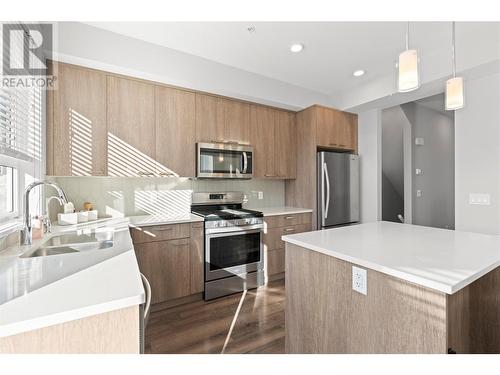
(275, 261)
(280, 221)
(301, 228)
(159, 233)
(272, 237)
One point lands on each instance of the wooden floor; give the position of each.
(251, 322)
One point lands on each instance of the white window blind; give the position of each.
(21, 138)
(20, 112)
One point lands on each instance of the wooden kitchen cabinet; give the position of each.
(175, 132)
(274, 247)
(222, 120)
(285, 151)
(172, 259)
(196, 261)
(272, 134)
(262, 139)
(336, 129)
(131, 127)
(166, 265)
(76, 123)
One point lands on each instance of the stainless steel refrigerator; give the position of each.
(338, 189)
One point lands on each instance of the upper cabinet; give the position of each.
(336, 129)
(286, 150)
(175, 131)
(222, 120)
(76, 126)
(273, 137)
(131, 128)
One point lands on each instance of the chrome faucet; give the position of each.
(26, 232)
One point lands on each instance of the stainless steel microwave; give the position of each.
(224, 160)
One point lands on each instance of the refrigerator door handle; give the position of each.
(327, 178)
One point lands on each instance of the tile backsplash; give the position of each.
(128, 196)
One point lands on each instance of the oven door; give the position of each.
(221, 160)
(233, 253)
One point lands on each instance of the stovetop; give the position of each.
(226, 212)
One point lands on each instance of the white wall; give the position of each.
(369, 148)
(477, 155)
(93, 47)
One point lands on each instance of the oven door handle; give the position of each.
(245, 162)
(234, 231)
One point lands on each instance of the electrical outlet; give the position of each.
(480, 199)
(261, 195)
(359, 280)
(419, 193)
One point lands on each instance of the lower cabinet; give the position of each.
(274, 247)
(174, 267)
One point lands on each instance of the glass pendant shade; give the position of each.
(454, 93)
(408, 79)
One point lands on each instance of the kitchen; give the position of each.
(182, 200)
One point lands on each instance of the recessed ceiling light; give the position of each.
(358, 73)
(297, 47)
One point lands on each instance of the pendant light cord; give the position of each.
(454, 67)
(408, 35)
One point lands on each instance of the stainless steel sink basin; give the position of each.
(74, 238)
(72, 243)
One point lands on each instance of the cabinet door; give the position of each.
(166, 265)
(327, 128)
(78, 125)
(285, 147)
(197, 258)
(175, 132)
(131, 128)
(210, 114)
(237, 121)
(349, 136)
(262, 123)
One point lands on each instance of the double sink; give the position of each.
(72, 243)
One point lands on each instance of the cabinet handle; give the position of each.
(163, 229)
(289, 217)
(180, 243)
(269, 175)
(332, 144)
(289, 229)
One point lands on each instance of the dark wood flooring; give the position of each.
(251, 322)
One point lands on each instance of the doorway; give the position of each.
(418, 163)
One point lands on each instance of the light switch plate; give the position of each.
(359, 280)
(419, 141)
(480, 199)
(418, 171)
(419, 193)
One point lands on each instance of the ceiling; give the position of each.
(333, 50)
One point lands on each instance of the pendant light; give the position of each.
(455, 85)
(408, 79)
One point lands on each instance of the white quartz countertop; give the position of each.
(158, 219)
(440, 259)
(283, 210)
(41, 291)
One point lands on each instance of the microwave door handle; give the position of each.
(245, 162)
(327, 178)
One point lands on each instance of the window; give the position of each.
(21, 147)
(7, 190)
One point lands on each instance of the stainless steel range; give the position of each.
(234, 257)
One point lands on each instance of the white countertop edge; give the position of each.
(440, 287)
(79, 282)
(285, 210)
(68, 316)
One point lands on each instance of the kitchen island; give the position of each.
(428, 290)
